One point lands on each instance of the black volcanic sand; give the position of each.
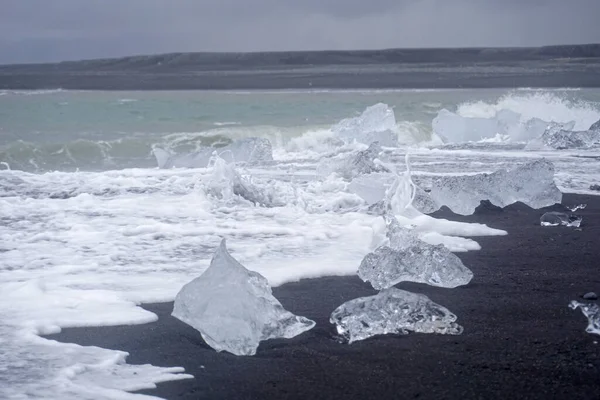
(521, 341)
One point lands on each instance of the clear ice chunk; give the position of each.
(234, 309)
(595, 187)
(409, 259)
(225, 182)
(361, 163)
(568, 139)
(579, 207)
(531, 183)
(392, 311)
(370, 188)
(247, 150)
(376, 124)
(555, 218)
(592, 313)
(506, 125)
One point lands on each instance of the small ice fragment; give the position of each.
(590, 296)
(409, 259)
(392, 311)
(247, 150)
(595, 187)
(361, 163)
(575, 208)
(555, 218)
(592, 312)
(531, 183)
(234, 309)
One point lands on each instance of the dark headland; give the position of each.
(521, 341)
(550, 66)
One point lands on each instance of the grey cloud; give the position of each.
(42, 30)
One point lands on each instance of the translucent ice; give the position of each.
(376, 124)
(225, 182)
(531, 183)
(246, 150)
(578, 207)
(409, 259)
(592, 312)
(557, 137)
(555, 218)
(505, 124)
(361, 163)
(595, 126)
(392, 311)
(233, 308)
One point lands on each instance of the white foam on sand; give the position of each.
(85, 249)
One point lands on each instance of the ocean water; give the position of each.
(90, 227)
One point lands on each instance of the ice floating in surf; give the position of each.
(531, 183)
(225, 183)
(360, 163)
(555, 218)
(392, 311)
(408, 259)
(234, 309)
(505, 125)
(592, 313)
(247, 150)
(376, 124)
(559, 137)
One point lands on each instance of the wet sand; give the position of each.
(521, 340)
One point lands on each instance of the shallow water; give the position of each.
(90, 227)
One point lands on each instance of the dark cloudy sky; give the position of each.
(53, 30)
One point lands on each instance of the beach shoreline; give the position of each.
(520, 338)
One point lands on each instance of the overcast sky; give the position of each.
(54, 30)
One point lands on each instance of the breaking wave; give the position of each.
(517, 117)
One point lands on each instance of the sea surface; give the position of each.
(90, 227)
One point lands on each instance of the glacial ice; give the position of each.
(595, 126)
(234, 309)
(578, 207)
(592, 313)
(376, 124)
(225, 182)
(392, 311)
(246, 150)
(531, 183)
(409, 259)
(361, 163)
(561, 137)
(555, 218)
(505, 124)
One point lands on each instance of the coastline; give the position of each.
(425, 68)
(521, 340)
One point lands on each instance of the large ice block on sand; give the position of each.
(246, 150)
(409, 259)
(233, 308)
(592, 313)
(376, 124)
(392, 311)
(531, 183)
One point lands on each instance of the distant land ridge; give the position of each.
(548, 66)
